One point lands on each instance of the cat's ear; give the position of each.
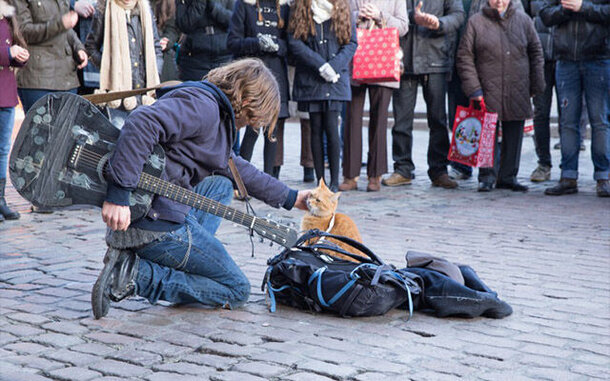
(335, 197)
(322, 184)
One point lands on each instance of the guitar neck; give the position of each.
(184, 196)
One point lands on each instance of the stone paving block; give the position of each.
(234, 338)
(183, 368)
(35, 362)
(77, 359)
(190, 341)
(21, 375)
(216, 362)
(598, 372)
(234, 376)
(165, 376)
(327, 369)
(552, 374)
(57, 340)
(260, 369)
(119, 369)
(73, 374)
(31, 308)
(114, 339)
(230, 350)
(165, 350)
(136, 357)
(29, 318)
(93, 349)
(65, 327)
(26, 348)
(304, 376)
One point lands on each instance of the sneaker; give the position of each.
(557, 146)
(540, 174)
(456, 174)
(485, 186)
(374, 184)
(348, 184)
(115, 282)
(564, 186)
(396, 179)
(603, 188)
(444, 181)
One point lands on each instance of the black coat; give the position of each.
(242, 40)
(532, 8)
(315, 52)
(205, 24)
(583, 35)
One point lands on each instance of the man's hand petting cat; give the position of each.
(301, 202)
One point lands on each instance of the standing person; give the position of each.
(323, 40)
(500, 59)
(258, 29)
(165, 14)
(55, 50)
(428, 59)
(392, 14)
(89, 76)
(205, 24)
(582, 49)
(174, 254)
(13, 54)
(125, 29)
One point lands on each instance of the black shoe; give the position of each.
(515, 187)
(603, 188)
(115, 281)
(276, 171)
(5, 212)
(485, 186)
(308, 176)
(564, 186)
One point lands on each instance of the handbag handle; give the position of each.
(482, 105)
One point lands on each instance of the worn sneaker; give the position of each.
(456, 174)
(564, 186)
(396, 179)
(603, 188)
(540, 174)
(444, 181)
(348, 184)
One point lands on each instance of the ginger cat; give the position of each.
(322, 204)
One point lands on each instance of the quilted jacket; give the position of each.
(502, 57)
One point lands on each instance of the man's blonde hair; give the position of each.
(251, 89)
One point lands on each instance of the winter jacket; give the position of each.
(431, 51)
(502, 57)
(315, 52)
(195, 148)
(169, 71)
(393, 15)
(242, 40)
(53, 49)
(579, 36)
(8, 83)
(95, 42)
(205, 24)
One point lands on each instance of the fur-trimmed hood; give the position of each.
(6, 10)
(253, 2)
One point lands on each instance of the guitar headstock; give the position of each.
(275, 232)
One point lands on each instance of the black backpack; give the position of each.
(306, 278)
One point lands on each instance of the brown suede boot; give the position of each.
(348, 184)
(374, 184)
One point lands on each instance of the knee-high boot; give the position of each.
(5, 211)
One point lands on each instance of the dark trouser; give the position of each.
(456, 97)
(510, 154)
(377, 158)
(306, 155)
(325, 123)
(435, 87)
(30, 96)
(542, 116)
(270, 149)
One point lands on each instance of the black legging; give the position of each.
(247, 147)
(328, 123)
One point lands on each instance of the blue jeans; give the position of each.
(593, 79)
(30, 96)
(190, 264)
(7, 119)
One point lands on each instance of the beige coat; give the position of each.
(393, 15)
(53, 49)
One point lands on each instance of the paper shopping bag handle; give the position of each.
(482, 105)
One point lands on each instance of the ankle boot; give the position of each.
(348, 184)
(308, 176)
(276, 171)
(5, 211)
(564, 186)
(374, 184)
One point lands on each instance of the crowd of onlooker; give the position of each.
(504, 52)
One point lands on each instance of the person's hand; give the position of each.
(19, 54)
(266, 43)
(572, 5)
(328, 73)
(117, 217)
(426, 20)
(478, 98)
(84, 8)
(69, 19)
(371, 11)
(82, 56)
(301, 202)
(163, 42)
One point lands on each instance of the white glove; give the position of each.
(328, 73)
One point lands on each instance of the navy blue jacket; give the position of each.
(315, 52)
(242, 40)
(196, 147)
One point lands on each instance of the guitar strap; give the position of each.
(114, 95)
(241, 188)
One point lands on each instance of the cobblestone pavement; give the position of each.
(548, 257)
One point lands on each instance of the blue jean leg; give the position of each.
(7, 119)
(30, 96)
(596, 80)
(190, 264)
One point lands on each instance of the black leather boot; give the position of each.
(5, 211)
(115, 282)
